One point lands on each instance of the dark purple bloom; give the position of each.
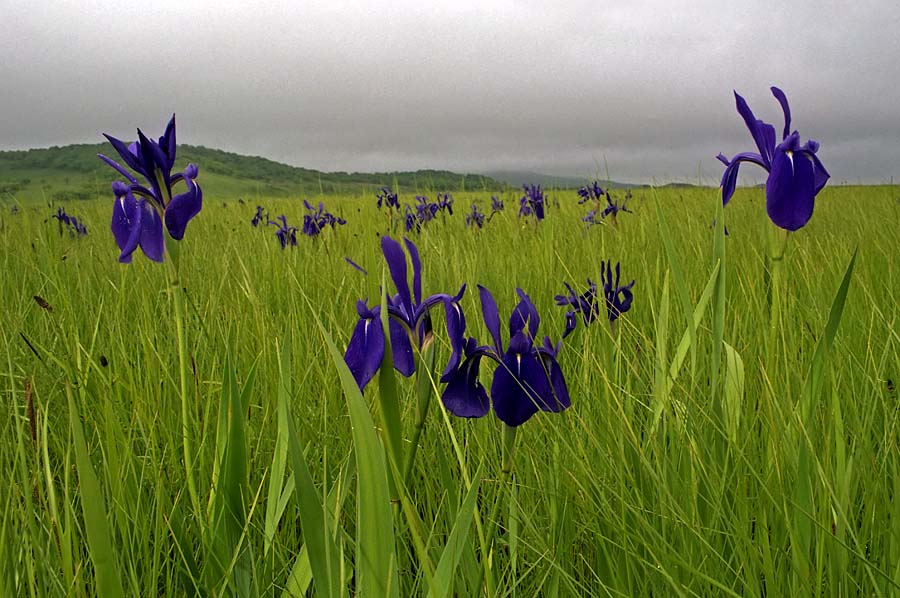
(445, 202)
(795, 173)
(527, 379)
(61, 216)
(315, 220)
(618, 299)
(410, 320)
(411, 221)
(425, 210)
(141, 209)
(388, 199)
(590, 218)
(496, 204)
(592, 192)
(287, 235)
(74, 227)
(475, 218)
(258, 217)
(533, 202)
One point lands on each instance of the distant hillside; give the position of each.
(518, 178)
(74, 172)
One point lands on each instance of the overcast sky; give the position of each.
(644, 87)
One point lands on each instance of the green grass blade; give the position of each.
(106, 571)
(718, 299)
(324, 557)
(661, 386)
(681, 286)
(734, 392)
(279, 458)
(376, 558)
(459, 535)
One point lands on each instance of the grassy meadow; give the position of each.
(754, 454)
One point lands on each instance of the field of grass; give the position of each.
(754, 455)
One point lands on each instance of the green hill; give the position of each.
(517, 178)
(73, 172)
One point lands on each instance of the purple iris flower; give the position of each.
(795, 173)
(315, 220)
(287, 235)
(445, 202)
(61, 216)
(425, 210)
(475, 218)
(410, 320)
(496, 204)
(388, 199)
(618, 299)
(527, 379)
(592, 192)
(258, 217)
(411, 221)
(533, 202)
(140, 210)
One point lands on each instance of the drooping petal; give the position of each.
(365, 350)
(464, 395)
(571, 323)
(396, 260)
(182, 208)
(152, 242)
(167, 143)
(729, 177)
(518, 381)
(491, 316)
(821, 175)
(782, 99)
(126, 226)
(790, 190)
(558, 398)
(401, 348)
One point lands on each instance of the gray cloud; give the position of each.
(645, 86)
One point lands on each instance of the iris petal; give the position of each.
(729, 177)
(525, 313)
(152, 242)
(365, 350)
(396, 260)
(790, 190)
(491, 316)
(401, 347)
(464, 395)
(126, 226)
(182, 208)
(782, 99)
(518, 381)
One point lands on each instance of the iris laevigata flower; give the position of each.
(618, 299)
(315, 220)
(496, 205)
(388, 199)
(287, 235)
(258, 217)
(795, 173)
(533, 202)
(409, 320)
(141, 209)
(475, 218)
(527, 379)
(445, 202)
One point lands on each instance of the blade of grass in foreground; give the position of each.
(376, 558)
(324, 557)
(443, 575)
(106, 572)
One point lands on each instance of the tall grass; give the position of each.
(699, 457)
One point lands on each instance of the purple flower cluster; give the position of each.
(528, 377)
(475, 218)
(532, 203)
(258, 217)
(72, 224)
(317, 219)
(426, 211)
(388, 199)
(287, 235)
(617, 298)
(140, 209)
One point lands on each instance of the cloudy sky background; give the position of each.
(643, 87)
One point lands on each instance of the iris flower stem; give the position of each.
(509, 446)
(423, 391)
(775, 262)
(178, 300)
